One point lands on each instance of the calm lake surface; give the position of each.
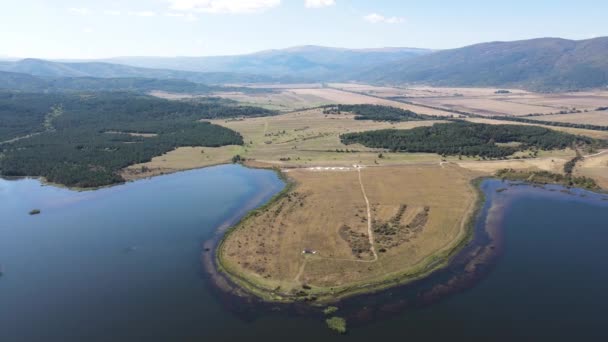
(123, 264)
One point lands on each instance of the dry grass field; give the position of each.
(421, 91)
(182, 158)
(595, 167)
(346, 97)
(312, 138)
(579, 131)
(425, 91)
(582, 100)
(485, 101)
(366, 222)
(418, 213)
(591, 118)
(284, 100)
(280, 85)
(485, 106)
(553, 163)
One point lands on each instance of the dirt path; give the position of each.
(19, 138)
(369, 233)
(595, 154)
(369, 216)
(300, 271)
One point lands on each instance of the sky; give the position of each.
(88, 29)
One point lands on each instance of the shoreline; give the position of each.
(426, 267)
(238, 284)
(471, 261)
(44, 182)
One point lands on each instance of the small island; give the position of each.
(337, 324)
(35, 212)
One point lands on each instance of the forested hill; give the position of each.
(30, 83)
(84, 140)
(468, 139)
(546, 64)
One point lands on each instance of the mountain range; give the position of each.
(303, 62)
(544, 64)
(45, 68)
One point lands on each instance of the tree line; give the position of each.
(467, 139)
(86, 140)
(376, 112)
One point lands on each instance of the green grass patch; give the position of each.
(337, 324)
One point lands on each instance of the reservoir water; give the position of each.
(123, 264)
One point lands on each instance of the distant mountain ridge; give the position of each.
(543, 64)
(546, 64)
(44, 68)
(29, 83)
(309, 62)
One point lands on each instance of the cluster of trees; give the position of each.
(29, 83)
(89, 138)
(22, 114)
(467, 139)
(376, 112)
(546, 177)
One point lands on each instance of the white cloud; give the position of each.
(319, 3)
(111, 12)
(143, 14)
(191, 18)
(79, 11)
(87, 30)
(223, 6)
(187, 17)
(376, 18)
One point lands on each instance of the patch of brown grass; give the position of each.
(266, 249)
(182, 158)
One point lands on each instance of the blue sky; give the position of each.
(98, 29)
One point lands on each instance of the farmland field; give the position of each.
(598, 118)
(311, 137)
(345, 97)
(485, 106)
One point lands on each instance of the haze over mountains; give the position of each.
(305, 62)
(44, 68)
(546, 64)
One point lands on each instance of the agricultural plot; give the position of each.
(579, 131)
(344, 97)
(485, 106)
(284, 100)
(312, 138)
(565, 101)
(597, 118)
